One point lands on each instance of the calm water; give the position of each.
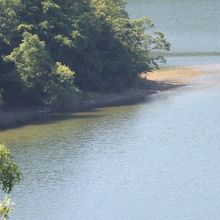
(156, 160)
(190, 26)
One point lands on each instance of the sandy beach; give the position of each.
(184, 75)
(175, 76)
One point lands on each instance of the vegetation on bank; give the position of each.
(54, 51)
(10, 175)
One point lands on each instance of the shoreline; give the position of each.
(148, 84)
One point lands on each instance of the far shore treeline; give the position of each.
(55, 51)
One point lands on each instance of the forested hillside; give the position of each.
(52, 51)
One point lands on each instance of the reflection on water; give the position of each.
(156, 160)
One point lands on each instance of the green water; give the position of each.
(156, 160)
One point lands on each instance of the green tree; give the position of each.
(96, 40)
(10, 175)
(37, 72)
(32, 66)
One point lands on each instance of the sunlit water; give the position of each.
(157, 160)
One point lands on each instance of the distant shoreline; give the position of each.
(148, 84)
(189, 54)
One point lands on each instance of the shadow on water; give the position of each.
(143, 94)
(53, 119)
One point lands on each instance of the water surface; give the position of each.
(190, 26)
(155, 160)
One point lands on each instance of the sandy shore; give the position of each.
(176, 76)
(184, 75)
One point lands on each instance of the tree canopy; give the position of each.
(52, 50)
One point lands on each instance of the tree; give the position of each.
(10, 175)
(40, 77)
(32, 67)
(96, 40)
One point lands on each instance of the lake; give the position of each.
(190, 26)
(155, 160)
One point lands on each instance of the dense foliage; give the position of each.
(9, 176)
(52, 50)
